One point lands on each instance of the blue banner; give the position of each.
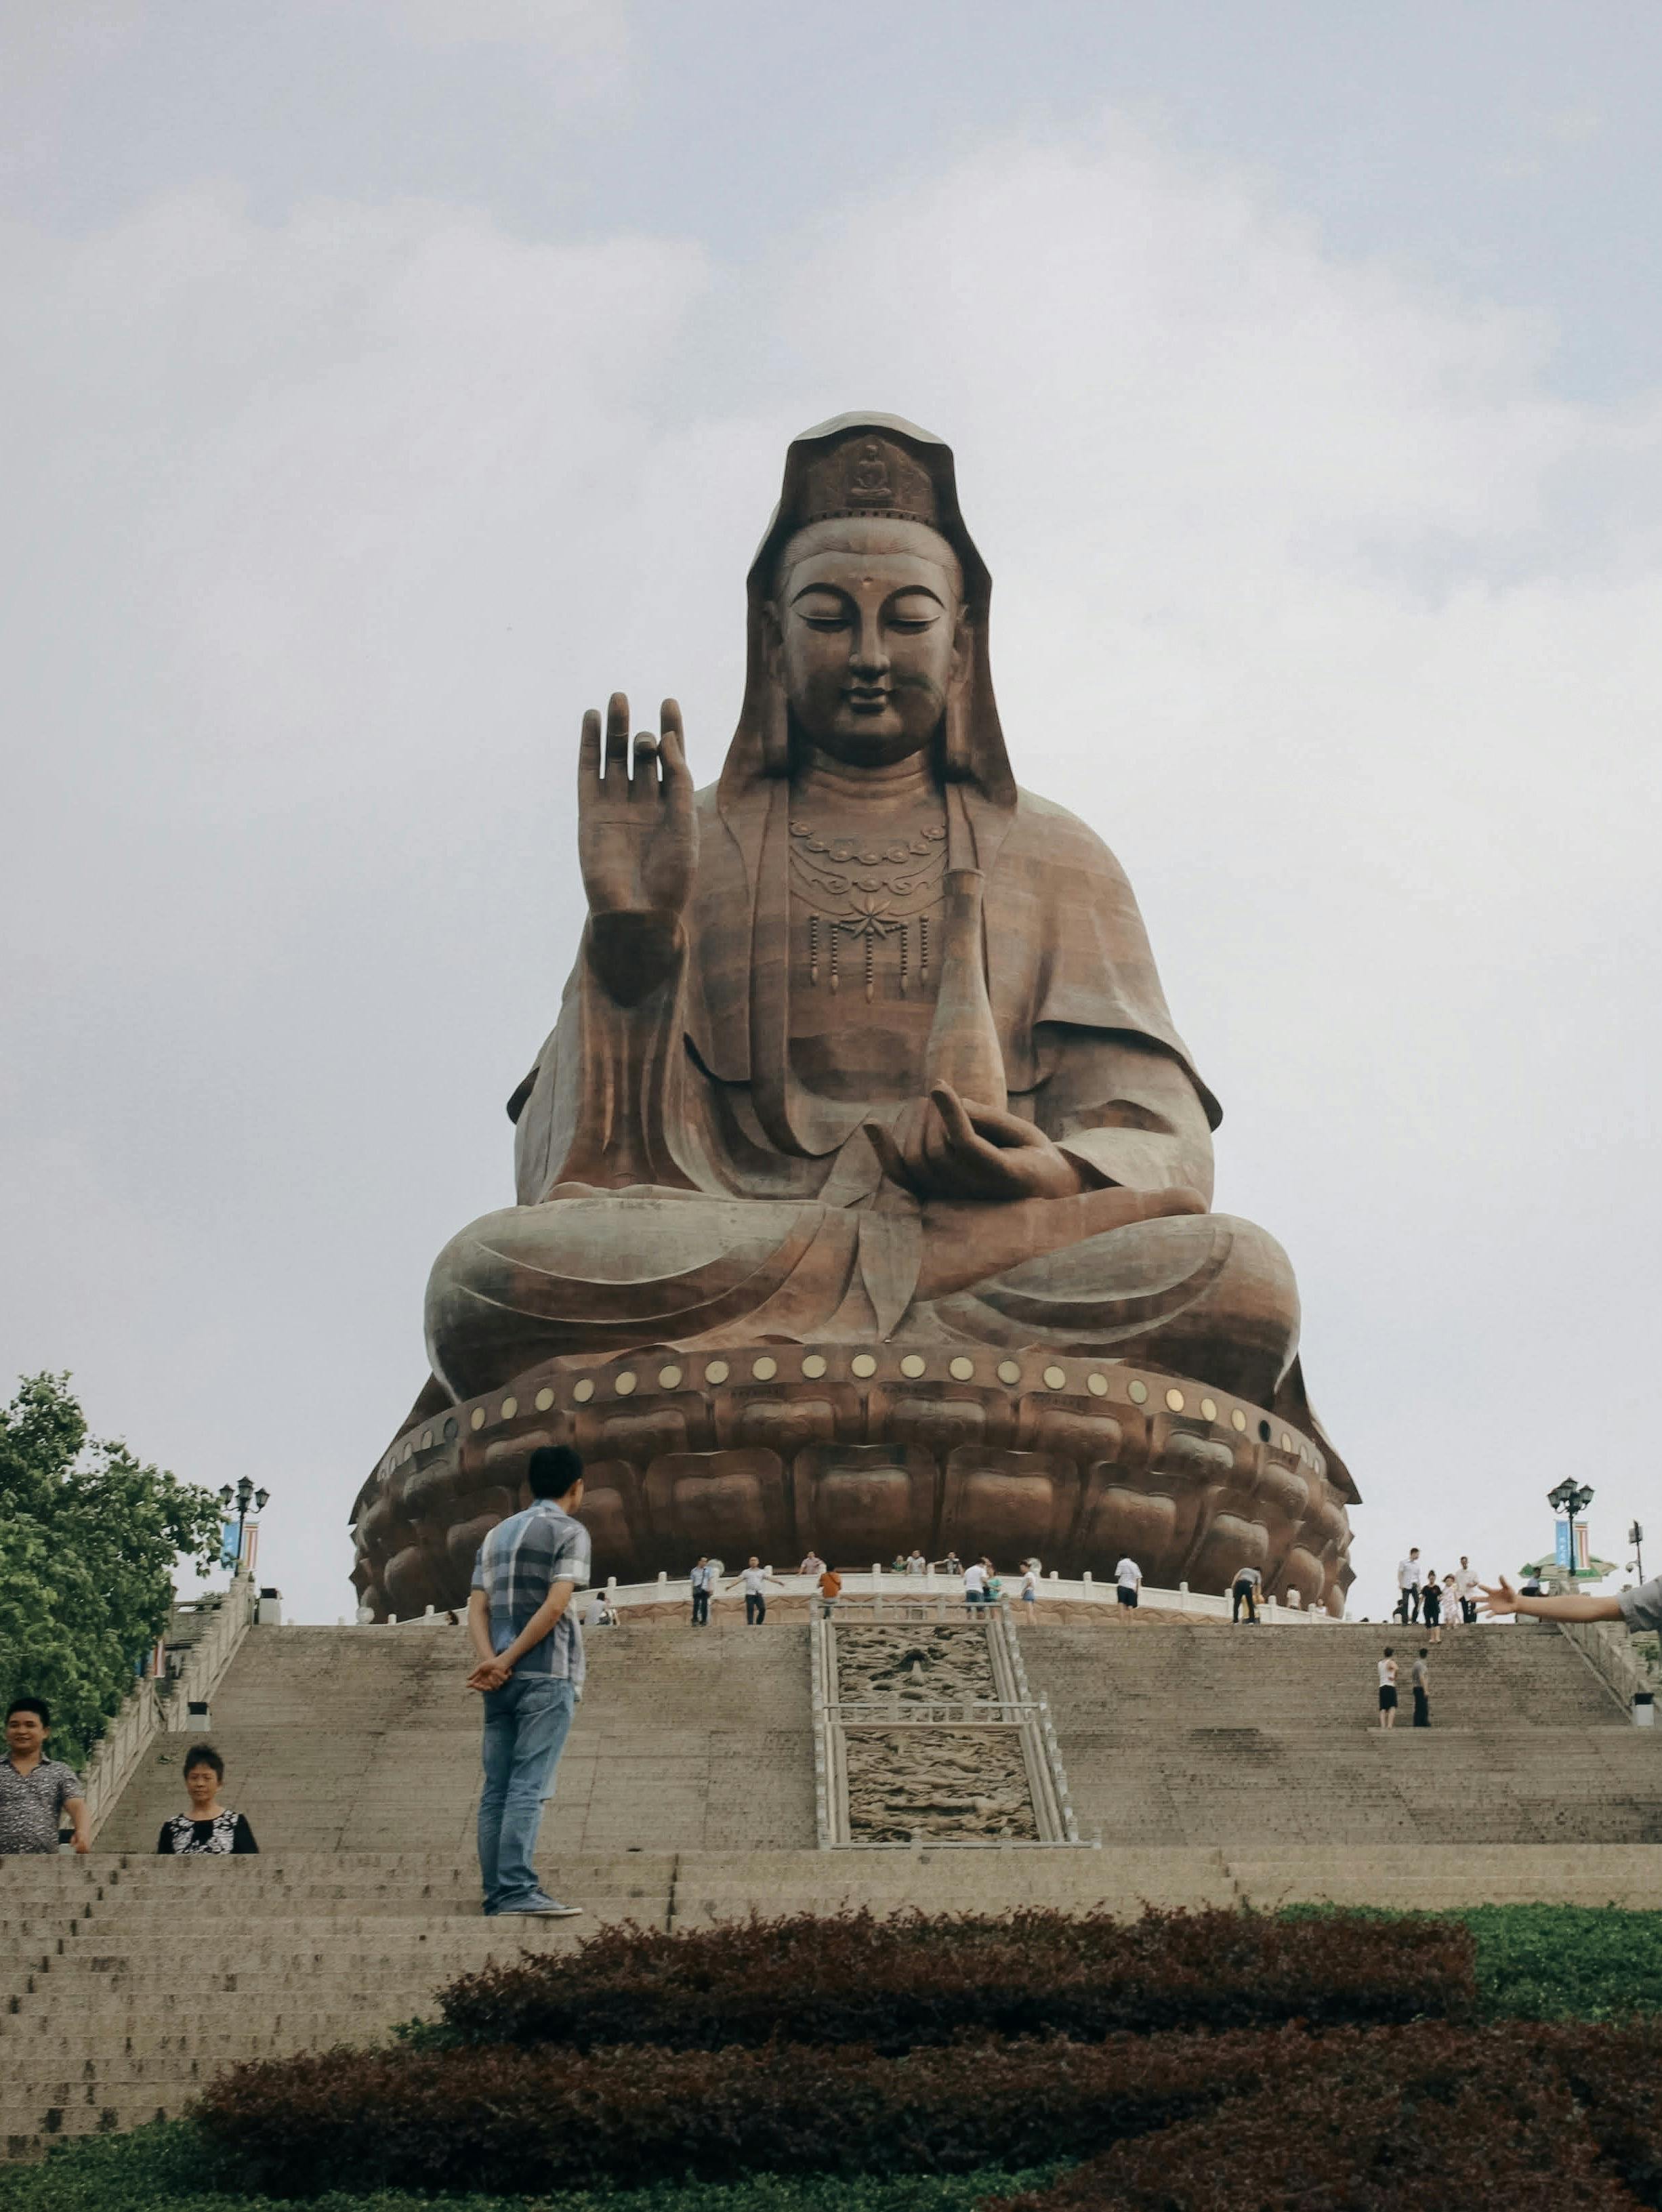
(1562, 1553)
(227, 1546)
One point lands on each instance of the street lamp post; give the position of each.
(249, 1503)
(1571, 1499)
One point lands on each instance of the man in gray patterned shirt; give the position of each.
(530, 1654)
(35, 1791)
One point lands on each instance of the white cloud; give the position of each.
(1309, 594)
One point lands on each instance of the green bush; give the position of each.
(910, 1981)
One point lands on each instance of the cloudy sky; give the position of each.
(384, 381)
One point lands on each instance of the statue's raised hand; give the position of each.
(637, 845)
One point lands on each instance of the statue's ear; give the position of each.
(774, 726)
(955, 762)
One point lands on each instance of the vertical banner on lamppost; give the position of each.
(1562, 1553)
(227, 1545)
(1583, 1556)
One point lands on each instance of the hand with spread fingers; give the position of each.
(638, 846)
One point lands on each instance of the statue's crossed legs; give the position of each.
(593, 1272)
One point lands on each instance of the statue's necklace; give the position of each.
(872, 889)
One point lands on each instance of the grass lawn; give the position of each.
(161, 2169)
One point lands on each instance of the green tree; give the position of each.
(89, 1538)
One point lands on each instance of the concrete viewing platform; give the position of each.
(1216, 1765)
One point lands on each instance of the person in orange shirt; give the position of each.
(831, 1588)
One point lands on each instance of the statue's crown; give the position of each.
(867, 475)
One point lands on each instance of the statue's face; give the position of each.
(866, 633)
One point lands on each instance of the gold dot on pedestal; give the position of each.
(962, 1370)
(1238, 1419)
(477, 1416)
(1096, 1385)
(1009, 1370)
(912, 1365)
(427, 1439)
(1056, 1378)
(863, 1365)
(1174, 1400)
(1208, 1409)
(510, 1406)
(813, 1367)
(765, 1369)
(624, 1384)
(584, 1391)
(544, 1401)
(668, 1378)
(1137, 1392)
(716, 1372)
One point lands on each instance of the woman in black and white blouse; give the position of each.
(209, 1828)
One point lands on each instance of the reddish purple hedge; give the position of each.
(542, 2120)
(907, 1982)
(1526, 2117)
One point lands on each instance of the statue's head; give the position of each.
(868, 613)
(866, 635)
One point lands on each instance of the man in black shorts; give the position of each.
(1388, 1690)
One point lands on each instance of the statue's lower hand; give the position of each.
(945, 1146)
(637, 845)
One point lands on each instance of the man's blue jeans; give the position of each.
(525, 1725)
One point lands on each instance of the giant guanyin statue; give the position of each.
(862, 1183)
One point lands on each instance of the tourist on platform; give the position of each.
(1030, 1583)
(951, 1565)
(1244, 1593)
(1453, 1612)
(1468, 1585)
(605, 1614)
(530, 1671)
(994, 1593)
(35, 1791)
(1430, 1605)
(831, 1588)
(753, 1576)
(1408, 1586)
(1388, 1689)
(701, 1582)
(209, 1829)
(1128, 1577)
(813, 1564)
(916, 1562)
(1420, 1682)
(975, 1583)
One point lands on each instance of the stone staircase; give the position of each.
(1223, 1766)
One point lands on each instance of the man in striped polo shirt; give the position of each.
(530, 1652)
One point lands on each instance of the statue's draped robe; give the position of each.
(679, 1183)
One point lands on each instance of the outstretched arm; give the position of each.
(1504, 1599)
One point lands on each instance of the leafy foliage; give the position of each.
(167, 2167)
(912, 1980)
(88, 1540)
(630, 2117)
(1533, 2118)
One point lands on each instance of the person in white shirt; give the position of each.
(1245, 1592)
(1466, 1587)
(916, 1562)
(1408, 1586)
(753, 1574)
(702, 1582)
(975, 1584)
(1387, 1689)
(1129, 1575)
(1030, 1583)
(813, 1564)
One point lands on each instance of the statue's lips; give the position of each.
(869, 702)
